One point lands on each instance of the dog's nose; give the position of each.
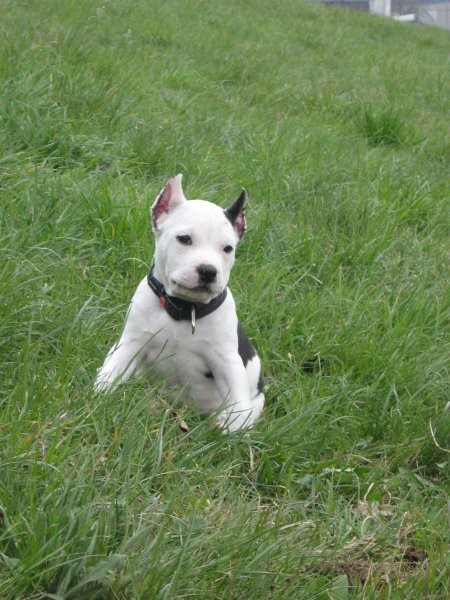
(206, 273)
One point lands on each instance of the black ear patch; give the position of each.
(235, 214)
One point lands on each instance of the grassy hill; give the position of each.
(337, 124)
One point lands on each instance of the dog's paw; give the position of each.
(100, 387)
(103, 383)
(234, 420)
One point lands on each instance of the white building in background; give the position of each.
(381, 7)
(434, 13)
(427, 12)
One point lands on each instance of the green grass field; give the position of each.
(337, 125)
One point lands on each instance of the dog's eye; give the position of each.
(228, 249)
(186, 240)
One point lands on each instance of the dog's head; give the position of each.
(195, 242)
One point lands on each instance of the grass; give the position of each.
(336, 123)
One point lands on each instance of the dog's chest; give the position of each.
(171, 349)
(180, 360)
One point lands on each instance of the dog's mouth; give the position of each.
(198, 292)
(198, 288)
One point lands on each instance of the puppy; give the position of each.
(182, 321)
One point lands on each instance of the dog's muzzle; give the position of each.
(206, 273)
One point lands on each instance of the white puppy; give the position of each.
(182, 321)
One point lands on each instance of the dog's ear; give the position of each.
(169, 198)
(235, 214)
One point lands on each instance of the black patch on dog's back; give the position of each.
(245, 348)
(209, 375)
(260, 386)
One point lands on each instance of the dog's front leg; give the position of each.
(232, 383)
(121, 362)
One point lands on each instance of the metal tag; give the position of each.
(193, 319)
